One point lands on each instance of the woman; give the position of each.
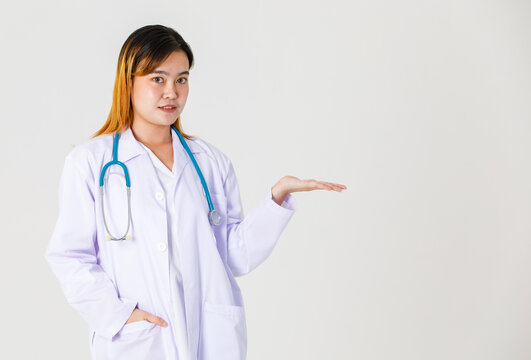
(165, 287)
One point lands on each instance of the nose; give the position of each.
(170, 91)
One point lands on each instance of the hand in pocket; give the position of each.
(138, 315)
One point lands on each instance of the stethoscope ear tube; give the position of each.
(213, 216)
(124, 236)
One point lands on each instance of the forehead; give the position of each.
(176, 62)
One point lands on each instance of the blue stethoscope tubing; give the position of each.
(213, 216)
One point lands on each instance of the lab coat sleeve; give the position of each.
(71, 254)
(251, 239)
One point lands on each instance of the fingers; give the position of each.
(325, 185)
(155, 319)
(335, 187)
(138, 315)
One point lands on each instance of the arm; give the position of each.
(251, 240)
(72, 257)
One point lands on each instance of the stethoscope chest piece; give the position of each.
(214, 217)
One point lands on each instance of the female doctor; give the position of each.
(151, 233)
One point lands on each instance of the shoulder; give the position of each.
(201, 146)
(86, 154)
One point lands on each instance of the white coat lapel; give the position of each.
(129, 148)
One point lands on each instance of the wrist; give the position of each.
(278, 193)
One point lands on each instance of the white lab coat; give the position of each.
(105, 280)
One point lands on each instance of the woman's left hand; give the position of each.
(290, 184)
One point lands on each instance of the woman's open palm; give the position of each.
(291, 184)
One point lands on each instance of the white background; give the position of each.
(422, 108)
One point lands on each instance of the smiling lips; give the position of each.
(168, 108)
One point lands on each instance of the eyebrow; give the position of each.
(167, 73)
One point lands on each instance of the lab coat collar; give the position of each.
(129, 147)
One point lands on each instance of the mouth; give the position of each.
(168, 108)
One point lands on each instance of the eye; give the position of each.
(185, 80)
(157, 77)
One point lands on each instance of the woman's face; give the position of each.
(167, 85)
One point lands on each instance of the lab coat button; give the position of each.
(159, 196)
(162, 246)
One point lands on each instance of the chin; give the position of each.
(166, 122)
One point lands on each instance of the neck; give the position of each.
(149, 134)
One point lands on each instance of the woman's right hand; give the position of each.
(138, 315)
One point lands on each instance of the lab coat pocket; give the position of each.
(135, 326)
(137, 340)
(224, 332)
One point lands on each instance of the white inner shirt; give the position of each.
(169, 181)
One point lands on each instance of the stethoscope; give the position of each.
(213, 215)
